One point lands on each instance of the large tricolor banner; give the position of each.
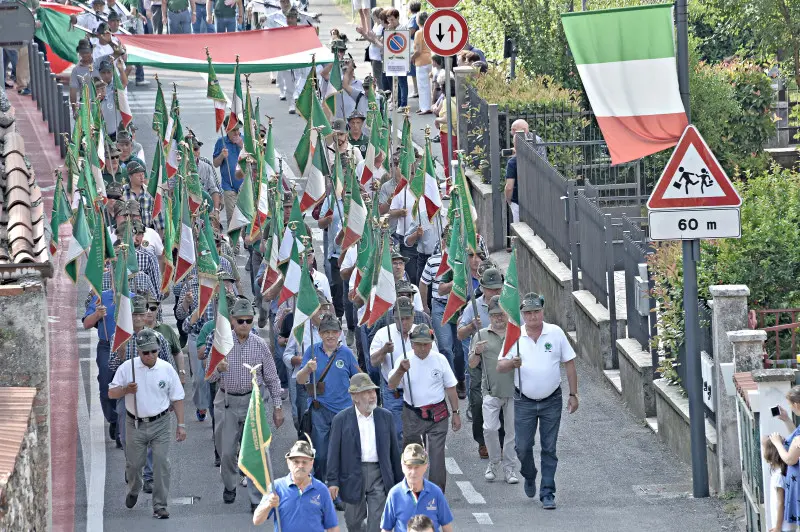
(626, 60)
(270, 50)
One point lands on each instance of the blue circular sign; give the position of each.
(397, 43)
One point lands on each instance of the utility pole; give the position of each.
(691, 255)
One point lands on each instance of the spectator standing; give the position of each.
(226, 158)
(447, 131)
(413, 25)
(375, 50)
(511, 189)
(180, 15)
(201, 16)
(225, 14)
(421, 59)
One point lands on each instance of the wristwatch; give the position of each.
(575, 395)
(181, 372)
(182, 425)
(457, 411)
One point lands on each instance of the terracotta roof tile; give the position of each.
(22, 217)
(744, 383)
(15, 411)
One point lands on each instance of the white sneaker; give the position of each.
(490, 474)
(292, 109)
(511, 477)
(142, 83)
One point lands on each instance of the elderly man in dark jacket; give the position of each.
(363, 457)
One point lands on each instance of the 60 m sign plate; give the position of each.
(688, 224)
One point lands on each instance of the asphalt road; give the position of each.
(614, 474)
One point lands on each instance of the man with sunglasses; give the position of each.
(113, 171)
(128, 352)
(233, 396)
(153, 322)
(146, 414)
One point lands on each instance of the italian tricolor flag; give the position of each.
(315, 183)
(291, 285)
(356, 215)
(626, 60)
(509, 302)
(373, 150)
(214, 91)
(79, 243)
(383, 294)
(237, 103)
(124, 310)
(222, 343)
(307, 303)
(187, 255)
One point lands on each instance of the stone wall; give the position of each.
(22, 506)
(24, 357)
(482, 197)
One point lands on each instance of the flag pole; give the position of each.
(269, 472)
(467, 268)
(405, 356)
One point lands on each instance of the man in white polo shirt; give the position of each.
(426, 379)
(147, 423)
(538, 402)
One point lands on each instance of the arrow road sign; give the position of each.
(446, 32)
(693, 178)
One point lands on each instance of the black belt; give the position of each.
(178, 12)
(149, 419)
(557, 391)
(414, 408)
(238, 394)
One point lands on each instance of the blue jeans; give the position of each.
(122, 414)
(103, 378)
(298, 397)
(395, 406)
(546, 415)
(402, 91)
(444, 333)
(180, 23)
(10, 55)
(200, 25)
(225, 24)
(321, 419)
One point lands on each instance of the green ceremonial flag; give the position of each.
(305, 148)
(72, 161)
(304, 101)
(465, 201)
(96, 258)
(161, 113)
(81, 240)
(61, 213)
(191, 178)
(269, 153)
(386, 133)
(209, 232)
(256, 437)
(334, 86)
(57, 31)
(133, 262)
(243, 211)
(250, 133)
(169, 245)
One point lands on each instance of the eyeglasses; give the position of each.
(152, 308)
(154, 352)
(115, 157)
(242, 321)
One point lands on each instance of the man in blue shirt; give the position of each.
(302, 501)
(226, 158)
(331, 365)
(416, 496)
(100, 315)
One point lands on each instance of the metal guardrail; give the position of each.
(51, 97)
(639, 300)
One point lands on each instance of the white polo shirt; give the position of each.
(429, 378)
(387, 334)
(541, 361)
(157, 387)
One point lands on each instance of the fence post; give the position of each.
(53, 121)
(40, 81)
(460, 74)
(58, 115)
(66, 117)
(32, 67)
(572, 229)
(45, 91)
(612, 295)
(729, 314)
(498, 197)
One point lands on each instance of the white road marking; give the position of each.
(470, 493)
(451, 466)
(93, 445)
(482, 518)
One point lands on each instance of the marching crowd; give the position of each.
(373, 402)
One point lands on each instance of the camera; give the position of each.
(776, 411)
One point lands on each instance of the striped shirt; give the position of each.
(429, 276)
(237, 379)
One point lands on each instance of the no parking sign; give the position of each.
(396, 53)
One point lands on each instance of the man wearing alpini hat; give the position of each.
(302, 501)
(363, 456)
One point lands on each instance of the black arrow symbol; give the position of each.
(452, 31)
(440, 35)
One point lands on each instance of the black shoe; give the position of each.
(130, 500)
(161, 513)
(461, 389)
(119, 442)
(148, 486)
(262, 318)
(253, 507)
(216, 460)
(112, 431)
(530, 487)
(228, 496)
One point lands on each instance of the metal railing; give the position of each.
(752, 475)
(595, 234)
(474, 111)
(781, 326)
(639, 301)
(51, 97)
(543, 205)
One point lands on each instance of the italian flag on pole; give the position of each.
(222, 343)
(206, 275)
(173, 137)
(214, 91)
(291, 284)
(61, 213)
(121, 94)
(356, 215)
(80, 242)
(315, 183)
(124, 311)
(458, 295)
(307, 303)
(237, 103)
(187, 255)
(509, 302)
(626, 60)
(169, 246)
(383, 294)
(243, 211)
(158, 179)
(373, 148)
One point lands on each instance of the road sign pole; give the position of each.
(691, 255)
(449, 151)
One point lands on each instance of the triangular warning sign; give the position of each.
(693, 178)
